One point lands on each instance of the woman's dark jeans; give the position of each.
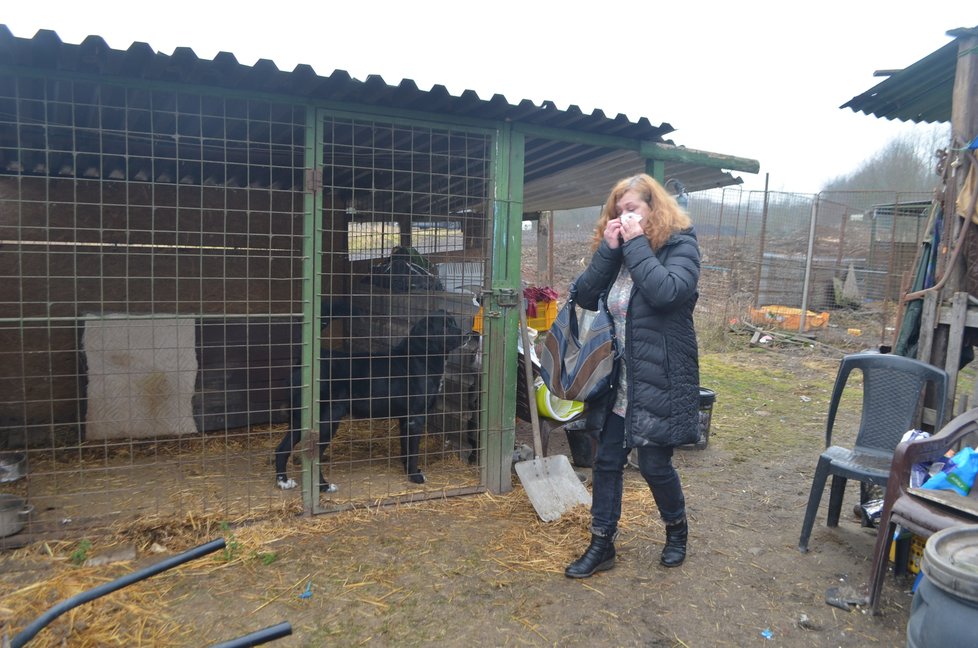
(607, 477)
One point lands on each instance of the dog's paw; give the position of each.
(286, 484)
(417, 478)
(326, 487)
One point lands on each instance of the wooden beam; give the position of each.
(671, 153)
(947, 339)
(964, 127)
(928, 323)
(964, 99)
(647, 149)
(955, 341)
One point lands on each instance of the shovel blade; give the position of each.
(552, 486)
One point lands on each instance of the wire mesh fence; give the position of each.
(834, 263)
(189, 280)
(160, 255)
(842, 259)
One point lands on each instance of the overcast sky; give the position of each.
(761, 80)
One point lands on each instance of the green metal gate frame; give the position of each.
(497, 427)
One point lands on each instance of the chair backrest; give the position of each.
(892, 393)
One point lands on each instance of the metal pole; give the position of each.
(545, 248)
(760, 250)
(808, 266)
(723, 202)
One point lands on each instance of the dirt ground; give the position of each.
(484, 570)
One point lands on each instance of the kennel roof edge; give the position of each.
(552, 168)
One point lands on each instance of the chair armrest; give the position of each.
(935, 446)
(932, 448)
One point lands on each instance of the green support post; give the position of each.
(501, 321)
(312, 267)
(656, 169)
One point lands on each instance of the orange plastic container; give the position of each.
(787, 318)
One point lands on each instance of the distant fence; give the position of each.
(827, 252)
(832, 251)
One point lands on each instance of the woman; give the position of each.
(646, 264)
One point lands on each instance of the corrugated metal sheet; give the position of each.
(921, 92)
(587, 185)
(558, 174)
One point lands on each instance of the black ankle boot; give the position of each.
(674, 553)
(600, 556)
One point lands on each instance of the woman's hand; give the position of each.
(631, 226)
(613, 233)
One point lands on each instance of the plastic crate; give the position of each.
(914, 554)
(546, 314)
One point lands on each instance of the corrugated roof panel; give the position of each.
(46, 50)
(587, 184)
(548, 163)
(921, 92)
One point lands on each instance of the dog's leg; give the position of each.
(472, 436)
(292, 437)
(282, 453)
(329, 423)
(412, 428)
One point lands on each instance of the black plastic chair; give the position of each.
(893, 388)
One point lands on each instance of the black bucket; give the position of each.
(582, 444)
(707, 398)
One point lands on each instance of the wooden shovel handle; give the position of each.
(530, 395)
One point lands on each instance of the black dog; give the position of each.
(402, 383)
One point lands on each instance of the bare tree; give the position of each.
(905, 164)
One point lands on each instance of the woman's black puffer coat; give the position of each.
(661, 351)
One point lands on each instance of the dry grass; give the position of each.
(137, 614)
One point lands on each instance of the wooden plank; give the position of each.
(955, 340)
(928, 317)
(971, 316)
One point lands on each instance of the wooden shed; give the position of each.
(940, 319)
(179, 237)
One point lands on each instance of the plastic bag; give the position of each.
(919, 472)
(958, 474)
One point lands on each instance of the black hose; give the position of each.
(270, 633)
(38, 624)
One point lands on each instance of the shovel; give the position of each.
(550, 482)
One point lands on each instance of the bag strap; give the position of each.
(616, 351)
(571, 308)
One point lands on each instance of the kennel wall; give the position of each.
(174, 242)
